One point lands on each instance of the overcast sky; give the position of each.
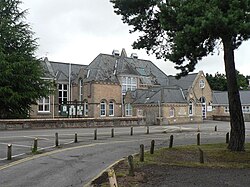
(76, 31)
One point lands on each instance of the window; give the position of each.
(44, 104)
(85, 108)
(111, 108)
(62, 93)
(171, 112)
(202, 83)
(226, 109)
(190, 108)
(128, 83)
(80, 89)
(128, 110)
(102, 109)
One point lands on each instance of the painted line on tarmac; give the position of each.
(63, 150)
(17, 145)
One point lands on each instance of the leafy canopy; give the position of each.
(185, 31)
(20, 72)
(219, 81)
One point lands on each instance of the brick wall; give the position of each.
(69, 123)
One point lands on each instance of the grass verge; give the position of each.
(215, 156)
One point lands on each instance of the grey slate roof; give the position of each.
(221, 97)
(183, 82)
(163, 95)
(108, 67)
(60, 71)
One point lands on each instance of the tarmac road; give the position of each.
(75, 164)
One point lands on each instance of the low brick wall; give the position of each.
(17, 124)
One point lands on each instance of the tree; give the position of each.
(186, 31)
(219, 81)
(21, 82)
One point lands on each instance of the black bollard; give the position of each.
(227, 137)
(9, 152)
(147, 129)
(35, 145)
(95, 134)
(131, 131)
(75, 141)
(112, 133)
(171, 141)
(152, 148)
(141, 153)
(198, 139)
(56, 140)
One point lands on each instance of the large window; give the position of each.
(190, 108)
(62, 93)
(80, 90)
(44, 104)
(128, 110)
(85, 108)
(128, 83)
(103, 109)
(111, 108)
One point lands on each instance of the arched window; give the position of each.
(103, 109)
(191, 108)
(80, 90)
(171, 112)
(111, 108)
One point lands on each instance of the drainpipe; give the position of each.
(69, 93)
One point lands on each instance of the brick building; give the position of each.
(116, 85)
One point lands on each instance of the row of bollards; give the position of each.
(35, 145)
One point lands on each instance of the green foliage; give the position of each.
(185, 31)
(219, 81)
(20, 72)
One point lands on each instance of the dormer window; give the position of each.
(202, 83)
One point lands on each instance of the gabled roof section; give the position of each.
(60, 71)
(163, 95)
(184, 82)
(110, 67)
(221, 97)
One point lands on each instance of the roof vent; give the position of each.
(134, 55)
(115, 53)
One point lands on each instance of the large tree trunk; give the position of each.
(237, 135)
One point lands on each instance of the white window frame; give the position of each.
(111, 108)
(103, 109)
(128, 83)
(63, 96)
(202, 83)
(128, 109)
(191, 110)
(85, 108)
(42, 102)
